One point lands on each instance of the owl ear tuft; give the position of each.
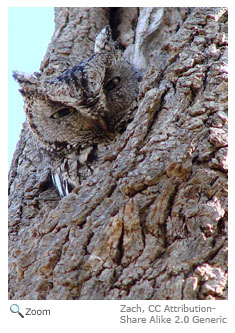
(104, 41)
(22, 77)
(28, 82)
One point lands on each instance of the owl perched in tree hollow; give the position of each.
(71, 114)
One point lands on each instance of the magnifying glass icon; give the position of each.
(15, 309)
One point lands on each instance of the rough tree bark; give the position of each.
(152, 222)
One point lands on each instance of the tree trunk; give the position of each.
(152, 222)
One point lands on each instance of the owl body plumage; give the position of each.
(72, 114)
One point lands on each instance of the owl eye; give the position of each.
(112, 83)
(62, 113)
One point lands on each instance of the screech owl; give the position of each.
(71, 114)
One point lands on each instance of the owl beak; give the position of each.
(99, 126)
(105, 129)
(103, 125)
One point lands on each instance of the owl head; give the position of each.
(84, 102)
